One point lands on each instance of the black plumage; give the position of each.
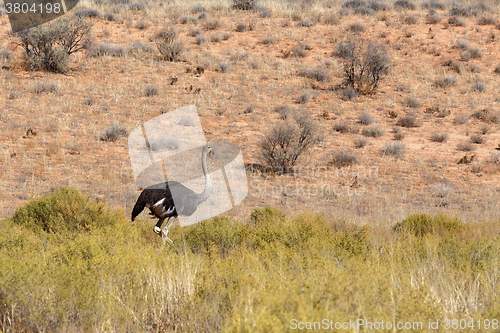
(187, 199)
(159, 199)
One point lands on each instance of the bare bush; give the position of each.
(319, 74)
(373, 131)
(284, 111)
(141, 25)
(410, 19)
(366, 118)
(365, 64)
(404, 4)
(224, 67)
(408, 121)
(288, 139)
(377, 6)
(460, 119)
(484, 129)
(412, 102)
(269, 40)
(477, 138)
(343, 126)
(138, 6)
(487, 20)
(212, 25)
(342, 159)
(473, 52)
(456, 21)
(198, 8)
(364, 11)
(353, 4)
(48, 46)
(86, 12)
(241, 27)
(474, 9)
(331, 19)
(307, 22)
(200, 39)
(462, 43)
(394, 148)
(439, 137)
(495, 157)
(137, 48)
(445, 82)
(454, 64)
(488, 116)
(300, 50)
(398, 136)
(360, 142)
(167, 44)
(107, 49)
(188, 19)
(465, 146)
(44, 87)
(479, 87)
(244, 4)
(302, 98)
(113, 133)
(150, 90)
(475, 68)
(433, 17)
(356, 27)
(348, 93)
(497, 69)
(432, 4)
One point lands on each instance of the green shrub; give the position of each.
(66, 210)
(268, 228)
(267, 215)
(241, 277)
(352, 243)
(421, 225)
(219, 232)
(468, 255)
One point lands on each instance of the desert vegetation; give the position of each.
(353, 117)
(48, 47)
(288, 139)
(90, 268)
(365, 63)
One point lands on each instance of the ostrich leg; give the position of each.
(166, 229)
(157, 228)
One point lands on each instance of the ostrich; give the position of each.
(158, 198)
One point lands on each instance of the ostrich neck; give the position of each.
(208, 181)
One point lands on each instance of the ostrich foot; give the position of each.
(157, 230)
(164, 234)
